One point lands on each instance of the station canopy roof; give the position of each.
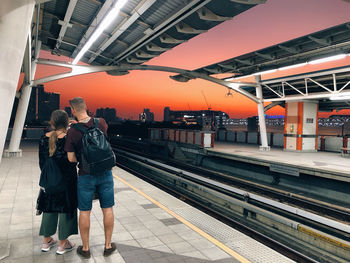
(142, 30)
(334, 40)
(327, 43)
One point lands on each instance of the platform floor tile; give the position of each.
(143, 232)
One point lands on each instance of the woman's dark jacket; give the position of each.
(65, 201)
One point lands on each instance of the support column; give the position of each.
(301, 126)
(21, 113)
(15, 20)
(262, 125)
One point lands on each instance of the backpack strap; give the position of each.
(79, 127)
(96, 122)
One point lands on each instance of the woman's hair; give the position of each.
(59, 120)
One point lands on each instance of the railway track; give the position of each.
(300, 211)
(313, 205)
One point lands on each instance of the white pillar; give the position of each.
(15, 20)
(21, 113)
(262, 125)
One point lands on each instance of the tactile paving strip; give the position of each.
(239, 242)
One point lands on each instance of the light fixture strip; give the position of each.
(327, 59)
(265, 72)
(312, 62)
(107, 20)
(293, 66)
(340, 97)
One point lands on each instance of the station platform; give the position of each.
(323, 164)
(150, 224)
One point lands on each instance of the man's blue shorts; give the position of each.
(102, 184)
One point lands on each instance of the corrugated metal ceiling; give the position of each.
(166, 13)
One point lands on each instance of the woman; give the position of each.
(58, 207)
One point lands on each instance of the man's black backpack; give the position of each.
(97, 155)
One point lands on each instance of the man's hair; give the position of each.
(78, 104)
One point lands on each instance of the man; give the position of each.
(88, 184)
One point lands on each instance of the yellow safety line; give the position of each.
(184, 221)
(323, 237)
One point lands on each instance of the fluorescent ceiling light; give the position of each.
(107, 20)
(327, 59)
(241, 77)
(293, 66)
(265, 72)
(347, 97)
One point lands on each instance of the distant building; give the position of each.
(166, 114)
(235, 122)
(253, 122)
(146, 116)
(109, 114)
(41, 105)
(334, 121)
(207, 119)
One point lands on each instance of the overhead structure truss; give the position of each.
(147, 28)
(143, 29)
(326, 86)
(331, 41)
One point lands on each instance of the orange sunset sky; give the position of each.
(261, 26)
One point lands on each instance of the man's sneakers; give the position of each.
(68, 246)
(109, 251)
(47, 246)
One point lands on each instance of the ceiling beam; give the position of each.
(292, 50)
(74, 23)
(186, 29)
(155, 48)
(226, 66)
(245, 61)
(142, 54)
(265, 56)
(133, 60)
(65, 23)
(213, 70)
(321, 41)
(41, 1)
(166, 39)
(206, 14)
(249, 2)
(123, 27)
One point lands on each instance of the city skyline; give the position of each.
(132, 93)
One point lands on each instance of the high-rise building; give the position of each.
(41, 105)
(146, 116)
(166, 114)
(109, 114)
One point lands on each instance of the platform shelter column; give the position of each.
(262, 124)
(15, 20)
(21, 113)
(301, 126)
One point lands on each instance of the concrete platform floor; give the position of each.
(150, 225)
(327, 162)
